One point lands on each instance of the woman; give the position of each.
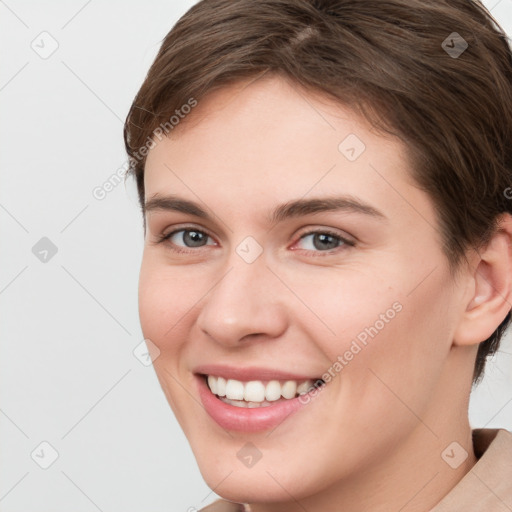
(327, 259)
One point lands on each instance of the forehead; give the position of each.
(263, 141)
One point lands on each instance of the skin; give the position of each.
(372, 438)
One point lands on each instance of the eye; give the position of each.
(185, 240)
(190, 238)
(324, 241)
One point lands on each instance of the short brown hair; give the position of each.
(403, 64)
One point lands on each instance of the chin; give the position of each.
(270, 481)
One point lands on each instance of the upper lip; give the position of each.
(249, 373)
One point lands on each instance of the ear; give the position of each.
(489, 296)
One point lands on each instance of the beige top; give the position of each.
(487, 487)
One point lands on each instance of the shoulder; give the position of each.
(489, 444)
(487, 487)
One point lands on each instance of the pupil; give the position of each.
(194, 237)
(324, 238)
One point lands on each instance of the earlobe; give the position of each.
(490, 296)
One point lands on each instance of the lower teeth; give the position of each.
(248, 405)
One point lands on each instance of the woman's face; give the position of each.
(257, 289)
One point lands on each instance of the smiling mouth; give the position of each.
(258, 393)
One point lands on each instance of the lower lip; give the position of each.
(244, 419)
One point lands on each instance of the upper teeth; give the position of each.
(257, 390)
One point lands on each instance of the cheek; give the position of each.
(387, 340)
(390, 307)
(347, 308)
(165, 309)
(164, 303)
(393, 371)
(399, 366)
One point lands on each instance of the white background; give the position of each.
(69, 326)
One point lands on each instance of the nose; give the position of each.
(246, 303)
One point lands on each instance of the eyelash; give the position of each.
(345, 242)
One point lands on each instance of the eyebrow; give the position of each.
(290, 209)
